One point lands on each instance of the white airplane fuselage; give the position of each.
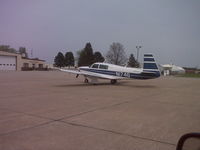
(120, 72)
(114, 72)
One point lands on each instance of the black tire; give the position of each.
(113, 81)
(86, 80)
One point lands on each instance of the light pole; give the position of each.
(138, 48)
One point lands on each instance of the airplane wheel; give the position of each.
(113, 81)
(86, 80)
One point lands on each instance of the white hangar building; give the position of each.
(170, 69)
(15, 61)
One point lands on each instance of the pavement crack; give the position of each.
(28, 114)
(102, 108)
(118, 133)
(26, 128)
(92, 110)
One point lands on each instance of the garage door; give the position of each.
(7, 63)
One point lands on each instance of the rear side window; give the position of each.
(95, 66)
(103, 67)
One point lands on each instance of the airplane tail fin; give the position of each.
(150, 63)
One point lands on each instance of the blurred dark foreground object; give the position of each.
(189, 141)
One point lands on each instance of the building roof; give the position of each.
(7, 53)
(34, 59)
(13, 53)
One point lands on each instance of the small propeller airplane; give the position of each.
(114, 72)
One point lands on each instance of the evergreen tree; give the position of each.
(132, 62)
(69, 59)
(86, 56)
(81, 58)
(59, 60)
(98, 57)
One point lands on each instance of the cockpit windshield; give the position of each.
(99, 66)
(95, 66)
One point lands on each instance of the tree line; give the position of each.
(85, 57)
(21, 50)
(116, 55)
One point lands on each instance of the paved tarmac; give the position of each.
(55, 111)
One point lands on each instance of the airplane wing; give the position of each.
(92, 74)
(71, 71)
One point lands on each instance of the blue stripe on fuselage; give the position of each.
(155, 72)
(150, 75)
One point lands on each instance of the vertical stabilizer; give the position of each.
(150, 67)
(149, 63)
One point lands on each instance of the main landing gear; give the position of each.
(113, 81)
(86, 80)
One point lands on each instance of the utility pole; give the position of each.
(31, 53)
(138, 48)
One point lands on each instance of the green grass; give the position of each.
(190, 75)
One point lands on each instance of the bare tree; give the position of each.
(22, 50)
(7, 48)
(116, 55)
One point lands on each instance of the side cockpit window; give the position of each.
(95, 66)
(103, 67)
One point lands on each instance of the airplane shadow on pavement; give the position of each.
(120, 84)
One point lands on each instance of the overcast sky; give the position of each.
(170, 29)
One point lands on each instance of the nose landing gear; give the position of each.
(86, 80)
(113, 81)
